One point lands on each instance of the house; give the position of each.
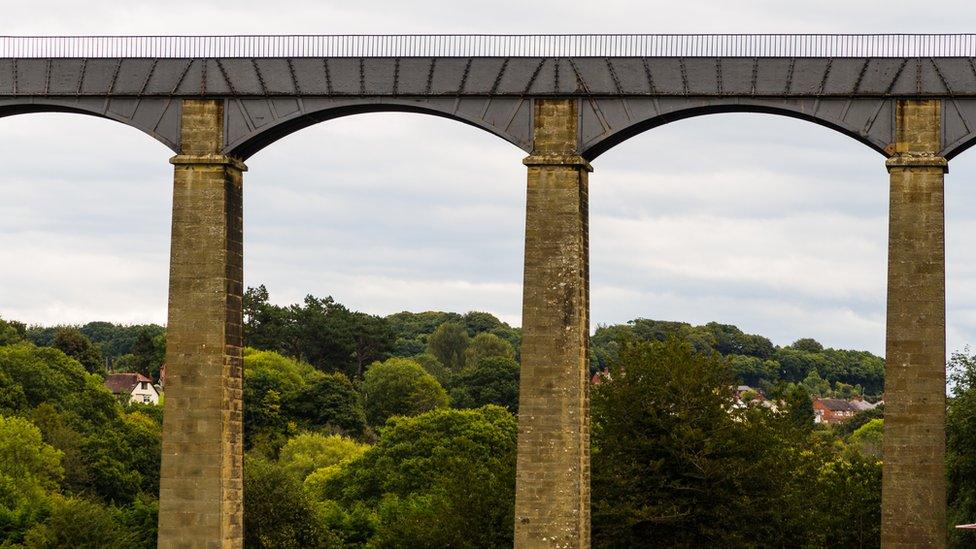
(863, 405)
(132, 387)
(832, 410)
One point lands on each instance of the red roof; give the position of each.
(124, 382)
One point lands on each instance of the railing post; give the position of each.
(201, 491)
(552, 493)
(914, 485)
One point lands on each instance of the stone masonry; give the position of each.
(914, 484)
(201, 491)
(552, 497)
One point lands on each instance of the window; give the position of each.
(146, 399)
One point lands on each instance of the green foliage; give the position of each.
(74, 344)
(868, 437)
(330, 402)
(815, 385)
(494, 380)
(277, 512)
(309, 452)
(48, 375)
(433, 367)
(29, 468)
(271, 379)
(80, 523)
(799, 406)
(12, 331)
(486, 345)
(319, 331)
(411, 330)
(441, 479)
(146, 355)
(399, 387)
(448, 344)
(672, 461)
(807, 344)
(961, 446)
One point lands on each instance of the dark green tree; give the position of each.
(12, 331)
(495, 380)
(961, 446)
(672, 460)
(807, 344)
(76, 345)
(277, 513)
(448, 343)
(329, 402)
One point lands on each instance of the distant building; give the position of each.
(863, 405)
(833, 410)
(132, 387)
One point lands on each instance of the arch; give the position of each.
(157, 117)
(252, 124)
(609, 122)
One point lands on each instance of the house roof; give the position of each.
(837, 405)
(124, 382)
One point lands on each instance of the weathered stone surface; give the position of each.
(201, 491)
(914, 485)
(552, 500)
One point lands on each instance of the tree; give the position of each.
(807, 344)
(74, 344)
(308, 452)
(330, 401)
(485, 345)
(961, 445)
(374, 340)
(80, 523)
(799, 406)
(868, 437)
(270, 382)
(445, 478)
(434, 367)
(277, 512)
(29, 468)
(816, 385)
(448, 343)
(12, 331)
(495, 380)
(672, 460)
(148, 353)
(400, 387)
(412, 329)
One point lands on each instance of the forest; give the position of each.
(400, 431)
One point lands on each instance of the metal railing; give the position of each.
(485, 45)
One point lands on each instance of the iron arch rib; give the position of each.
(610, 121)
(158, 117)
(253, 124)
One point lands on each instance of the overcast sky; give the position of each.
(773, 224)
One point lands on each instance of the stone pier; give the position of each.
(201, 493)
(552, 496)
(914, 483)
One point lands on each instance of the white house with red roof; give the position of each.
(135, 387)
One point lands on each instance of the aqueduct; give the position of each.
(564, 99)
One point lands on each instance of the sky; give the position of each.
(773, 224)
